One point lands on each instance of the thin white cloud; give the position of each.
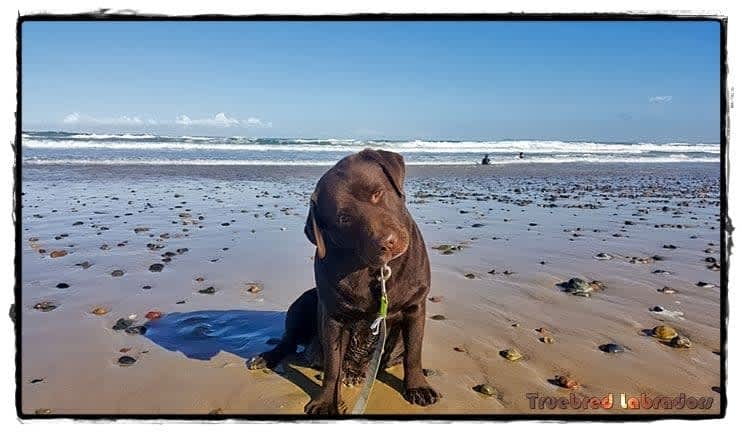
(660, 99)
(72, 118)
(256, 122)
(82, 119)
(221, 120)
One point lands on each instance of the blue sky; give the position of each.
(600, 81)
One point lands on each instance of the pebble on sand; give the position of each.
(580, 287)
(511, 354)
(45, 306)
(63, 285)
(122, 324)
(126, 361)
(485, 389)
(436, 299)
(447, 249)
(209, 290)
(254, 287)
(612, 348)
(136, 330)
(157, 267)
(117, 273)
(438, 317)
(603, 256)
(566, 381)
(153, 315)
(470, 276)
(547, 339)
(58, 253)
(100, 310)
(667, 290)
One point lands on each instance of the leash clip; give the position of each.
(385, 274)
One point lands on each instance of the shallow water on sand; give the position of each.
(523, 230)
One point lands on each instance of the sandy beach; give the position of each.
(92, 237)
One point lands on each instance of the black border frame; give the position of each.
(724, 232)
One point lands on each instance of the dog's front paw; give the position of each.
(257, 362)
(422, 396)
(324, 407)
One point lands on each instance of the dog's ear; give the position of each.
(393, 166)
(312, 231)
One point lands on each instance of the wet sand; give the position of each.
(523, 230)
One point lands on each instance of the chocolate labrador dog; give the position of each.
(359, 222)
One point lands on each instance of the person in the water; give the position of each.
(486, 159)
(521, 155)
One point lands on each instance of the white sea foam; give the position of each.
(108, 137)
(255, 162)
(475, 147)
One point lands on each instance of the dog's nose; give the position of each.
(389, 242)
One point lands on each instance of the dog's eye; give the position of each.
(376, 196)
(343, 219)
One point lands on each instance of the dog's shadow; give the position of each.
(201, 335)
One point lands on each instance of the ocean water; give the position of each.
(44, 148)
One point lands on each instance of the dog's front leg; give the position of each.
(334, 340)
(417, 389)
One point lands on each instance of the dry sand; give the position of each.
(543, 223)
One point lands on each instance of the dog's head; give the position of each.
(358, 208)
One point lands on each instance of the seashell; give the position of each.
(680, 342)
(664, 332)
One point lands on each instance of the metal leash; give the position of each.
(378, 327)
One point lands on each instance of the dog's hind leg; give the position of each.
(300, 328)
